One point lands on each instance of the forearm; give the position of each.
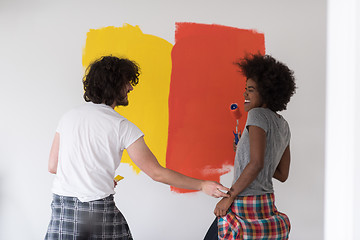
(178, 180)
(249, 174)
(147, 162)
(257, 140)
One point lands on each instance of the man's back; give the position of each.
(92, 138)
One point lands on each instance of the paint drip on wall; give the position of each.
(183, 98)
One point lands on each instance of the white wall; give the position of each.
(40, 72)
(342, 194)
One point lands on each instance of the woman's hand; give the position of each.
(235, 144)
(223, 206)
(214, 189)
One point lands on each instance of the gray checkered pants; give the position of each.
(76, 220)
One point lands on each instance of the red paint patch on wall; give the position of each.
(204, 82)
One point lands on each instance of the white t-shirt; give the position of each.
(92, 140)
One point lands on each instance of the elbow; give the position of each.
(52, 169)
(52, 165)
(156, 178)
(283, 178)
(257, 167)
(157, 175)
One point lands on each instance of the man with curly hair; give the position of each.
(87, 149)
(262, 153)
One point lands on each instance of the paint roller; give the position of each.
(118, 178)
(234, 109)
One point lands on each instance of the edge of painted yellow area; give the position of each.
(148, 102)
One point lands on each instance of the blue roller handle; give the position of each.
(236, 137)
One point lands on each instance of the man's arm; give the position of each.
(142, 156)
(54, 153)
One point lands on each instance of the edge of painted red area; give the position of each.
(204, 83)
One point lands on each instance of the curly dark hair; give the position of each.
(275, 81)
(106, 78)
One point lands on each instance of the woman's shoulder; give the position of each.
(260, 111)
(263, 111)
(268, 117)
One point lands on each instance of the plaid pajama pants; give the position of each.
(72, 219)
(254, 217)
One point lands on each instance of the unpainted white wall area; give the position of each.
(41, 47)
(342, 189)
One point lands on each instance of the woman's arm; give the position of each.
(282, 170)
(141, 155)
(257, 138)
(54, 153)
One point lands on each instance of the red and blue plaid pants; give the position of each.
(254, 217)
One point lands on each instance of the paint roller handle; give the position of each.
(237, 115)
(236, 140)
(237, 137)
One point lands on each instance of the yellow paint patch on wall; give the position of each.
(148, 102)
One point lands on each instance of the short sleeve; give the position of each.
(128, 133)
(257, 117)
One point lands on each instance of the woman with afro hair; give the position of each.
(262, 153)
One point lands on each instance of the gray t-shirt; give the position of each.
(277, 139)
